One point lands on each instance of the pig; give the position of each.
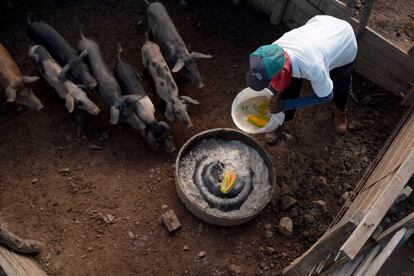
(121, 107)
(60, 49)
(156, 133)
(165, 85)
(56, 77)
(17, 86)
(165, 34)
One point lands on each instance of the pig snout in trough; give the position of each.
(121, 107)
(165, 85)
(165, 34)
(55, 76)
(158, 137)
(60, 49)
(156, 133)
(17, 86)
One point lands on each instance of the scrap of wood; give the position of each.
(405, 193)
(379, 208)
(18, 245)
(379, 261)
(18, 265)
(328, 243)
(170, 220)
(407, 222)
(367, 260)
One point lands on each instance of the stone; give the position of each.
(131, 235)
(270, 250)
(64, 171)
(186, 248)
(95, 147)
(309, 218)
(285, 226)
(170, 220)
(344, 197)
(321, 180)
(268, 226)
(320, 204)
(34, 180)
(234, 270)
(201, 254)
(269, 234)
(294, 212)
(90, 249)
(164, 207)
(287, 201)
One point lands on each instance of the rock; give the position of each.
(108, 218)
(64, 171)
(285, 226)
(234, 270)
(200, 228)
(201, 254)
(344, 197)
(321, 180)
(186, 248)
(262, 265)
(286, 201)
(269, 234)
(270, 250)
(268, 226)
(320, 204)
(346, 186)
(131, 235)
(271, 138)
(309, 218)
(95, 147)
(164, 207)
(90, 249)
(170, 220)
(34, 180)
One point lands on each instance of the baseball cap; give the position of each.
(265, 62)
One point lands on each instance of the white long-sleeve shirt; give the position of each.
(322, 44)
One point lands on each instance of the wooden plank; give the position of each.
(379, 208)
(367, 260)
(407, 222)
(277, 12)
(349, 268)
(379, 261)
(328, 243)
(18, 265)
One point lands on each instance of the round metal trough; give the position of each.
(223, 219)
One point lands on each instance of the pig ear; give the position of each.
(169, 112)
(29, 79)
(70, 102)
(11, 94)
(131, 98)
(178, 66)
(199, 55)
(186, 99)
(114, 115)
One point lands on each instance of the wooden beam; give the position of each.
(18, 265)
(367, 260)
(407, 222)
(277, 11)
(379, 208)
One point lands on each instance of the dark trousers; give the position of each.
(342, 82)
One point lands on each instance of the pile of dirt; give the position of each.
(97, 208)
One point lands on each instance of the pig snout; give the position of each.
(28, 98)
(157, 135)
(191, 71)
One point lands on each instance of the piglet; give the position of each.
(165, 85)
(156, 133)
(165, 34)
(60, 49)
(121, 107)
(56, 77)
(17, 86)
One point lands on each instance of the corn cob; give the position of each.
(229, 180)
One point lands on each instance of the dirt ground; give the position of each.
(98, 211)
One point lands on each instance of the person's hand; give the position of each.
(275, 104)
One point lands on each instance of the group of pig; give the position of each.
(75, 73)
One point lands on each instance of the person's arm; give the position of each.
(306, 101)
